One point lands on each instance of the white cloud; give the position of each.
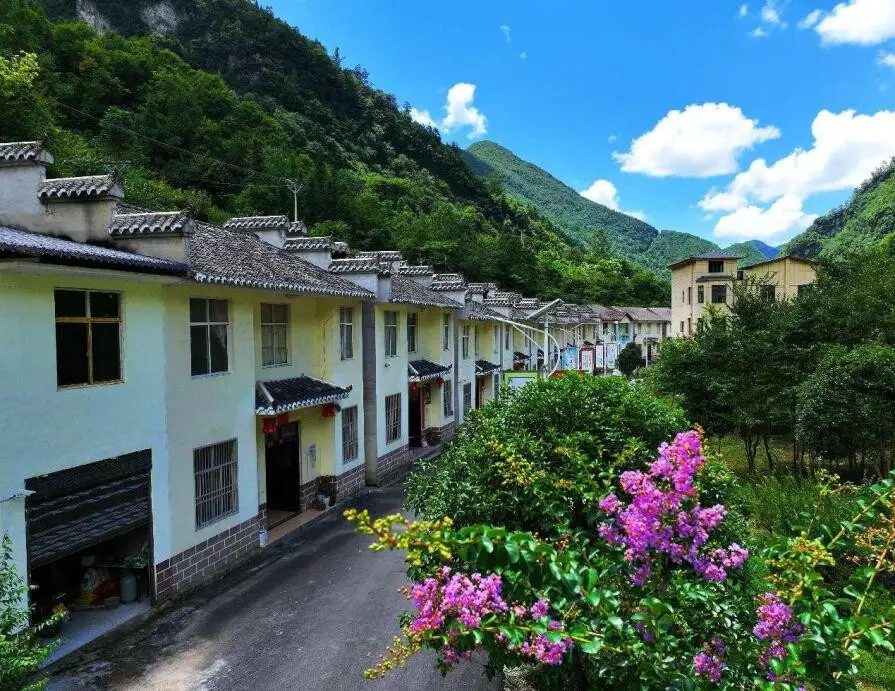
(847, 148)
(505, 29)
(612, 138)
(783, 218)
(811, 20)
(422, 117)
(744, 10)
(759, 32)
(460, 112)
(770, 14)
(605, 193)
(865, 22)
(886, 60)
(523, 55)
(700, 141)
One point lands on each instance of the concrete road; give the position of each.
(312, 612)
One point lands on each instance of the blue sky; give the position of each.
(691, 112)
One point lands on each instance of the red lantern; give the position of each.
(282, 419)
(329, 410)
(413, 387)
(269, 425)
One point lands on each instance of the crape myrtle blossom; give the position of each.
(455, 597)
(776, 627)
(710, 662)
(663, 516)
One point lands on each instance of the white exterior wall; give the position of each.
(465, 367)
(44, 428)
(391, 377)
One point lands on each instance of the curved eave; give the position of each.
(298, 405)
(202, 277)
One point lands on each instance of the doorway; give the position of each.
(282, 460)
(415, 417)
(479, 392)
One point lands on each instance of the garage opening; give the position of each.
(90, 546)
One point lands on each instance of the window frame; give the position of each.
(89, 321)
(390, 332)
(350, 435)
(475, 340)
(714, 264)
(284, 325)
(412, 331)
(447, 398)
(214, 472)
(467, 397)
(700, 295)
(721, 289)
(346, 333)
(689, 295)
(392, 418)
(464, 342)
(446, 332)
(769, 292)
(208, 324)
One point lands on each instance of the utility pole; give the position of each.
(295, 186)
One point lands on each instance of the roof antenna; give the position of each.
(296, 187)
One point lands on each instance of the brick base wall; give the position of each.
(448, 432)
(349, 484)
(393, 465)
(212, 557)
(306, 495)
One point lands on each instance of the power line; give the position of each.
(172, 147)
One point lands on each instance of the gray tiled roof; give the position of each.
(606, 314)
(354, 265)
(22, 152)
(251, 223)
(483, 367)
(479, 288)
(502, 299)
(309, 244)
(340, 247)
(425, 370)
(150, 223)
(480, 312)
(448, 282)
(26, 243)
(88, 187)
(407, 291)
(420, 270)
(283, 395)
(382, 255)
(219, 255)
(711, 254)
(297, 228)
(647, 314)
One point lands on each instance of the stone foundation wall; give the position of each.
(392, 466)
(306, 495)
(349, 484)
(212, 557)
(448, 432)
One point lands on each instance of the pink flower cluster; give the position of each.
(453, 596)
(710, 662)
(776, 626)
(664, 517)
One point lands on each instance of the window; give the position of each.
(446, 332)
(683, 296)
(464, 341)
(689, 326)
(467, 398)
(769, 292)
(682, 327)
(802, 288)
(716, 267)
(700, 294)
(391, 334)
(506, 337)
(349, 434)
(274, 333)
(475, 340)
(411, 332)
(719, 294)
(346, 333)
(88, 337)
(447, 405)
(392, 418)
(217, 496)
(209, 324)
(689, 295)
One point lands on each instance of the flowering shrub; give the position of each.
(642, 597)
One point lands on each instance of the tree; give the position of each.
(629, 359)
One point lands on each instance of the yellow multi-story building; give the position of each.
(783, 277)
(699, 281)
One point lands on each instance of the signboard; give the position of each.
(516, 380)
(570, 358)
(598, 356)
(611, 355)
(587, 359)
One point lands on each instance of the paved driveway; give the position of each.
(311, 613)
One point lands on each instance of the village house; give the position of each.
(699, 281)
(782, 278)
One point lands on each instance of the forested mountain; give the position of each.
(582, 218)
(862, 221)
(578, 216)
(212, 105)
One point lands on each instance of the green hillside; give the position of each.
(750, 251)
(671, 246)
(862, 221)
(578, 216)
(212, 105)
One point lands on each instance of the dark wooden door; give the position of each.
(283, 468)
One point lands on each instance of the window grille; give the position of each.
(209, 327)
(446, 332)
(464, 341)
(391, 334)
(88, 337)
(215, 470)
(411, 332)
(346, 333)
(392, 418)
(448, 402)
(274, 334)
(467, 398)
(349, 434)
